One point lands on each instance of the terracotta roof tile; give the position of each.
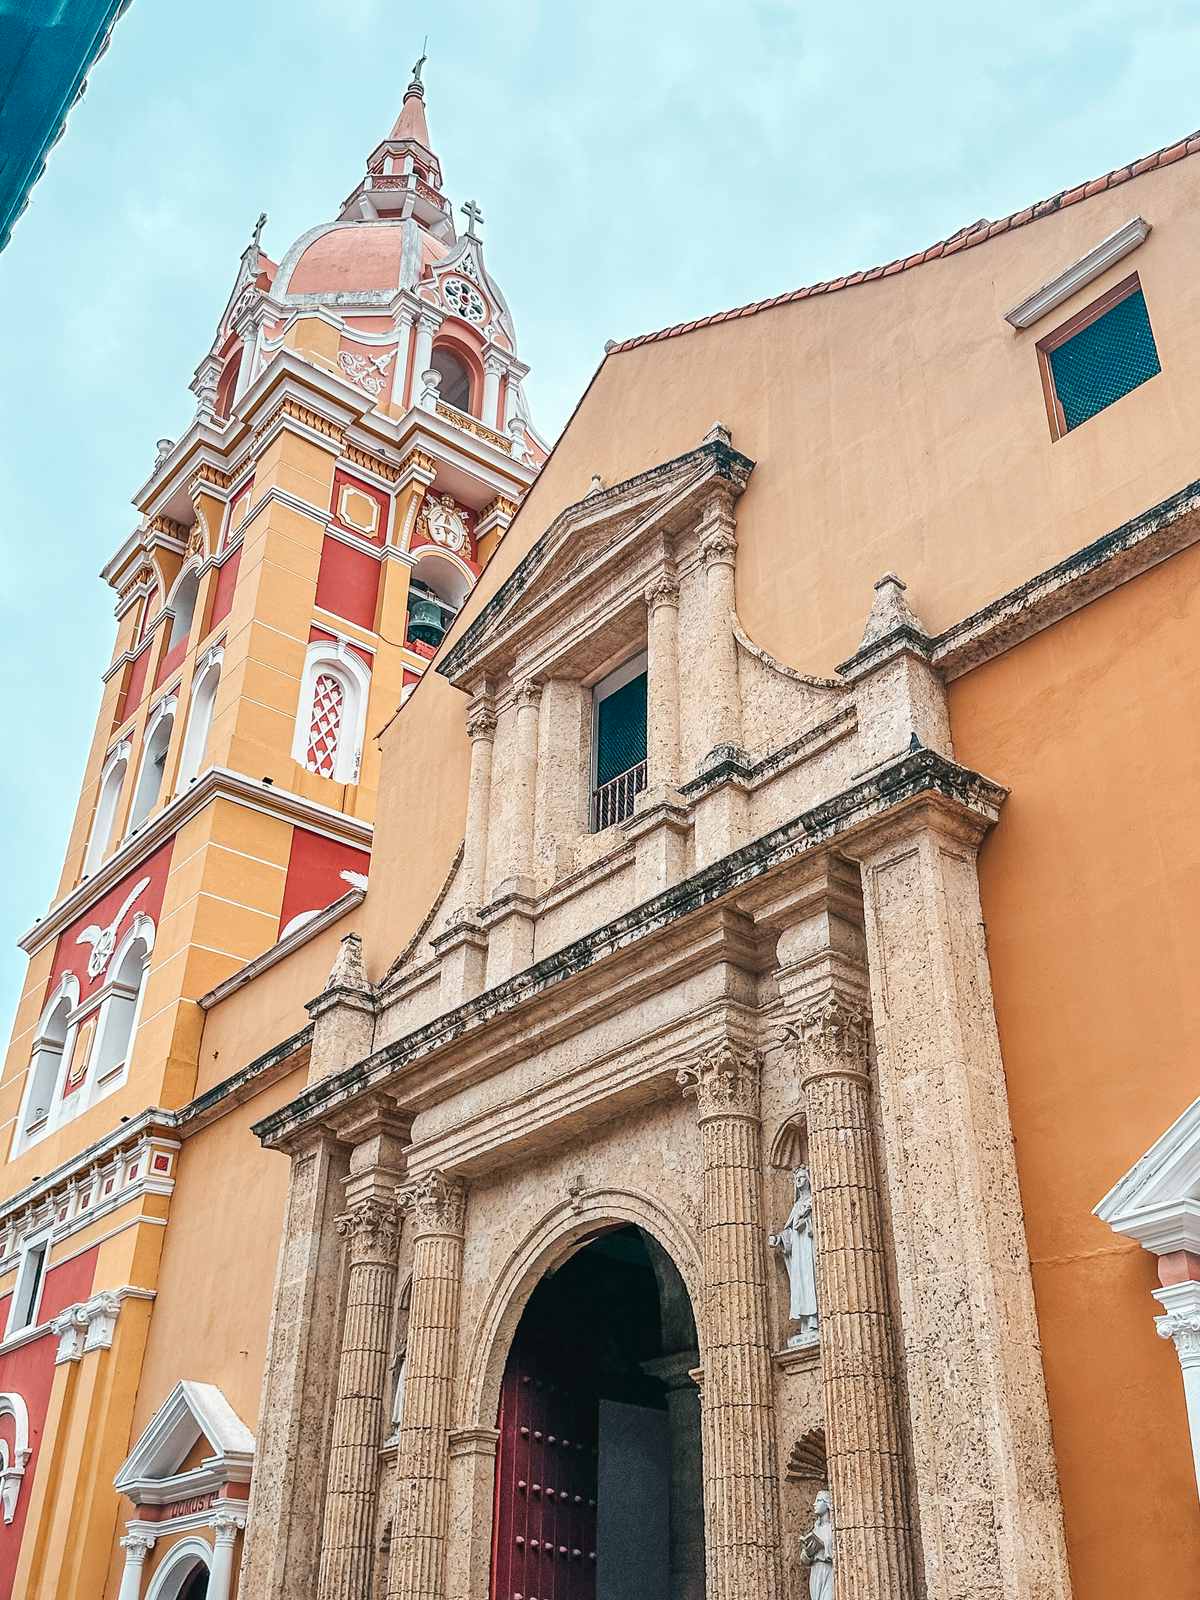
(963, 240)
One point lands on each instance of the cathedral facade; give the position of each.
(619, 1025)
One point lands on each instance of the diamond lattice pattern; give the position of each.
(329, 697)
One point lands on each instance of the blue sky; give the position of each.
(637, 165)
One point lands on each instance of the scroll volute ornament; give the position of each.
(725, 1081)
(833, 1034)
(438, 1204)
(371, 1229)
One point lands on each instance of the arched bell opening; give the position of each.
(599, 1483)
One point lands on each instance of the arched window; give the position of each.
(14, 1462)
(195, 740)
(182, 605)
(227, 387)
(437, 588)
(121, 1010)
(183, 1572)
(456, 378)
(332, 711)
(45, 1063)
(154, 759)
(112, 779)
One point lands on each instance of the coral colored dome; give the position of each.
(349, 257)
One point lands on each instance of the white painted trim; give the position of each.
(1181, 1324)
(1079, 274)
(216, 782)
(13, 1405)
(150, 1474)
(335, 658)
(108, 795)
(177, 1567)
(200, 715)
(1157, 1202)
(316, 923)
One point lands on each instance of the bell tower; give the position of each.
(360, 443)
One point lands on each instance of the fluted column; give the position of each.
(529, 698)
(137, 1546)
(417, 1569)
(741, 1503)
(721, 696)
(662, 656)
(481, 729)
(858, 1367)
(371, 1229)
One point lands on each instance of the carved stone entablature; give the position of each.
(371, 1229)
(831, 1035)
(438, 1204)
(725, 1082)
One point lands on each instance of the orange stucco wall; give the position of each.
(1091, 891)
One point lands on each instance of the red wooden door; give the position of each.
(544, 1533)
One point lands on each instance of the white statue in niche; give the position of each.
(816, 1549)
(795, 1241)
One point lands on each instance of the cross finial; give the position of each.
(424, 56)
(258, 228)
(473, 215)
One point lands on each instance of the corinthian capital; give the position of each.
(529, 693)
(725, 1082)
(1183, 1330)
(481, 721)
(438, 1203)
(371, 1229)
(831, 1034)
(718, 545)
(662, 590)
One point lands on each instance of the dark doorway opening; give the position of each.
(598, 1472)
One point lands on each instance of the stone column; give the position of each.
(983, 1468)
(420, 1525)
(280, 1551)
(226, 1528)
(719, 666)
(1181, 1324)
(137, 1546)
(858, 1367)
(405, 318)
(493, 367)
(529, 696)
(481, 729)
(741, 1503)
(662, 708)
(686, 1520)
(428, 323)
(371, 1229)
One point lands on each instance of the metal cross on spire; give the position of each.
(256, 236)
(424, 56)
(473, 215)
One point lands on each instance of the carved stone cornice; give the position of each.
(438, 1204)
(387, 470)
(831, 1034)
(371, 1229)
(725, 1082)
(419, 461)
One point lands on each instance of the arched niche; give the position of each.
(155, 746)
(461, 384)
(108, 796)
(331, 712)
(181, 603)
(49, 1048)
(200, 714)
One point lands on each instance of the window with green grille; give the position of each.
(621, 730)
(1110, 355)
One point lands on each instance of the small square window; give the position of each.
(1098, 357)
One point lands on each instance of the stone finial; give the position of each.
(889, 611)
(718, 434)
(609, 345)
(348, 971)
(595, 487)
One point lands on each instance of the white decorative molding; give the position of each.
(1181, 1324)
(91, 1324)
(12, 1467)
(1157, 1202)
(151, 1474)
(368, 372)
(1079, 274)
(104, 940)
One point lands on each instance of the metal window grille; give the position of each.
(1104, 361)
(620, 753)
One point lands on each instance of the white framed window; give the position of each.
(120, 1011)
(200, 715)
(181, 603)
(331, 714)
(155, 745)
(618, 758)
(31, 1278)
(55, 1031)
(108, 796)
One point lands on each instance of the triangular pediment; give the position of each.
(194, 1443)
(1157, 1202)
(592, 534)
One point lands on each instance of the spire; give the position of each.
(411, 124)
(889, 611)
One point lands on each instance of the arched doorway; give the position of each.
(598, 1472)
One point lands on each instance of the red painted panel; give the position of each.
(72, 956)
(172, 659)
(348, 582)
(544, 1530)
(136, 685)
(223, 593)
(29, 1372)
(382, 504)
(313, 876)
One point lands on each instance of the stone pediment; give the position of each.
(589, 538)
(1157, 1202)
(166, 1466)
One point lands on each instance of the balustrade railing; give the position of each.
(613, 801)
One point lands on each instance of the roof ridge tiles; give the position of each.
(967, 238)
